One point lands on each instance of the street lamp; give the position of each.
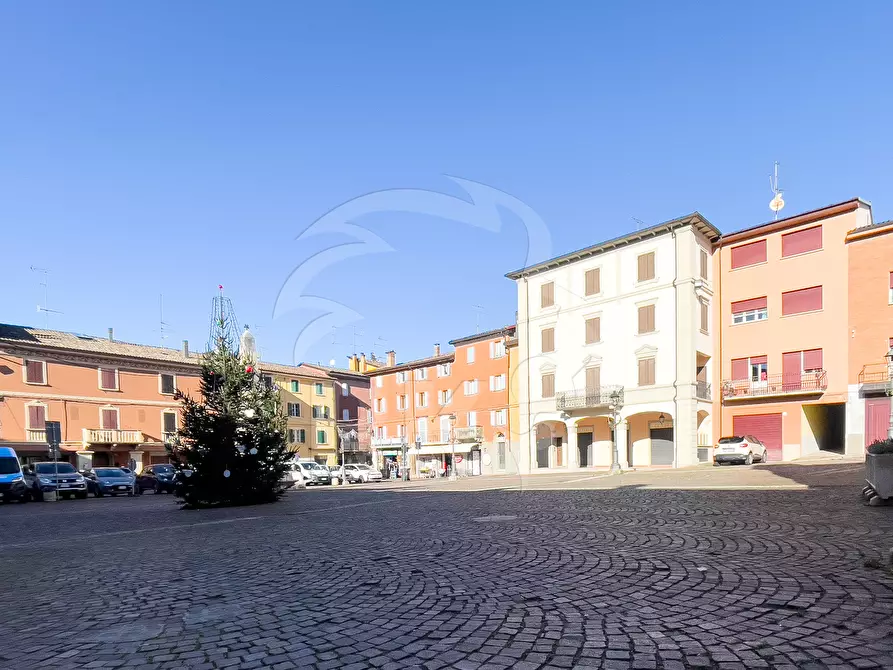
(405, 458)
(889, 389)
(453, 475)
(615, 456)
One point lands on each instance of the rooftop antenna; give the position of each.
(478, 309)
(375, 345)
(45, 283)
(162, 324)
(777, 202)
(355, 335)
(639, 223)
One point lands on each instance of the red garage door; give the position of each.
(765, 427)
(877, 419)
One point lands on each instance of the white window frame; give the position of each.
(117, 411)
(381, 405)
(43, 363)
(46, 413)
(497, 349)
(443, 370)
(469, 355)
(421, 374)
(345, 389)
(345, 414)
(422, 399)
(495, 381)
(422, 428)
(890, 297)
(401, 377)
(161, 386)
(751, 316)
(288, 407)
(445, 396)
(99, 377)
(497, 417)
(379, 381)
(472, 419)
(176, 421)
(471, 384)
(401, 430)
(401, 402)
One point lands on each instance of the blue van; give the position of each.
(12, 481)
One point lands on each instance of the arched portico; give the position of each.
(550, 449)
(650, 438)
(594, 443)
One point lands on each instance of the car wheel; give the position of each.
(99, 493)
(765, 458)
(748, 460)
(25, 498)
(81, 496)
(67, 496)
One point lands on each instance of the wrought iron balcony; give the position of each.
(703, 390)
(807, 383)
(113, 436)
(469, 434)
(600, 396)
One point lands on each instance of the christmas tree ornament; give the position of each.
(241, 448)
(226, 473)
(253, 451)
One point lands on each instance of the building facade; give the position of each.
(614, 348)
(115, 400)
(786, 330)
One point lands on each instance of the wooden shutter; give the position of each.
(748, 305)
(801, 241)
(593, 378)
(109, 419)
(704, 259)
(547, 294)
(740, 369)
(646, 371)
(593, 330)
(170, 422)
(749, 254)
(548, 340)
(704, 317)
(34, 372)
(548, 385)
(167, 384)
(108, 378)
(646, 266)
(804, 300)
(37, 417)
(593, 281)
(646, 319)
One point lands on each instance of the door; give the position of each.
(877, 419)
(791, 371)
(767, 428)
(543, 442)
(584, 445)
(662, 447)
(475, 462)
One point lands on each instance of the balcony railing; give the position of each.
(468, 434)
(703, 390)
(168, 437)
(588, 398)
(387, 441)
(807, 383)
(103, 436)
(876, 375)
(36, 435)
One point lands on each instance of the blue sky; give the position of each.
(167, 147)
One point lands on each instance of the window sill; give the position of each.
(647, 282)
(650, 332)
(112, 390)
(812, 311)
(703, 332)
(750, 323)
(37, 383)
(752, 265)
(803, 253)
(593, 296)
(592, 344)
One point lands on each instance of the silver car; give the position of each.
(360, 474)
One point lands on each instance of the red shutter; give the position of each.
(804, 300)
(765, 427)
(877, 419)
(801, 241)
(37, 417)
(812, 359)
(108, 379)
(791, 372)
(748, 305)
(759, 359)
(34, 372)
(109, 419)
(740, 369)
(749, 254)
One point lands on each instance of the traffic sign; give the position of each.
(54, 432)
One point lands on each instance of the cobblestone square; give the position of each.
(597, 574)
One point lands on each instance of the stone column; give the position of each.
(620, 433)
(573, 456)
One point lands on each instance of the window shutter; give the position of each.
(34, 372)
(593, 330)
(801, 241)
(37, 418)
(109, 419)
(593, 378)
(704, 316)
(748, 305)
(108, 379)
(812, 359)
(646, 319)
(804, 300)
(646, 266)
(547, 294)
(646, 371)
(548, 339)
(749, 254)
(493, 418)
(548, 385)
(704, 259)
(593, 281)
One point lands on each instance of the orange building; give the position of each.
(790, 294)
(114, 400)
(447, 403)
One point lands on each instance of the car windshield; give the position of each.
(110, 472)
(8, 465)
(363, 467)
(731, 440)
(51, 468)
(163, 469)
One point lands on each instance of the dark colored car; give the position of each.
(67, 480)
(35, 488)
(159, 478)
(112, 481)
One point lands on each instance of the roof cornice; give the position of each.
(792, 221)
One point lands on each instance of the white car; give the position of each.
(360, 474)
(739, 449)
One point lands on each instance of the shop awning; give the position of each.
(436, 450)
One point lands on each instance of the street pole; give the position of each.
(615, 455)
(889, 390)
(453, 475)
(405, 476)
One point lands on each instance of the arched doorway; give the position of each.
(594, 442)
(651, 438)
(551, 441)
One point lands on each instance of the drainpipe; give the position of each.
(527, 327)
(676, 364)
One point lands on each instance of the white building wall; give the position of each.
(676, 341)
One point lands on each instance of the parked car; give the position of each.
(113, 481)
(739, 449)
(12, 482)
(68, 481)
(159, 478)
(336, 473)
(314, 474)
(360, 474)
(35, 488)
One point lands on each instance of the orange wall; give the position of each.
(392, 417)
(485, 400)
(73, 396)
(871, 315)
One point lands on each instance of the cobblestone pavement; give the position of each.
(624, 577)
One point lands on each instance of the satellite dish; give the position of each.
(777, 203)
(332, 362)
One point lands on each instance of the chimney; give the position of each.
(437, 348)
(352, 363)
(111, 334)
(186, 348)
(392, 358)
(362, 362)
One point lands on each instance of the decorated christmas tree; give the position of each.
(230, 448)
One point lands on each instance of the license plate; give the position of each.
(66, 486)
(728, 449)
(121, 488)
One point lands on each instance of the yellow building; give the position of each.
(308, 400)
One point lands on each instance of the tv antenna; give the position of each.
(45, 283)
(162, 324)
(355, 335)
(478, 310)
(375, 344)
(777, 202)
(639, 223)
